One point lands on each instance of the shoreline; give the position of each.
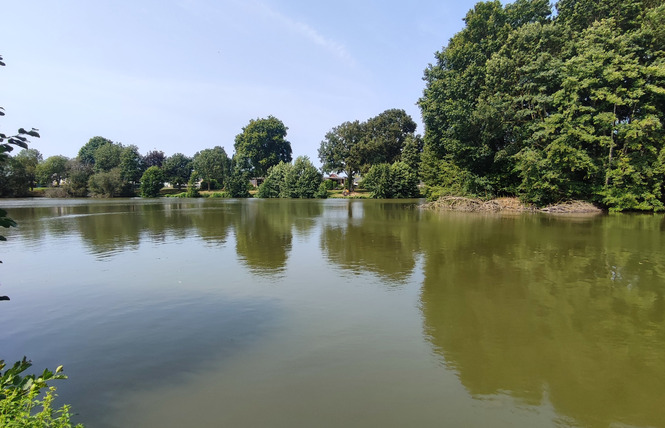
(509, 205)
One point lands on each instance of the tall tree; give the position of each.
(177, 169)
(567, 108)
(151, 182)
(385, 135)
(455, 128)
(78, 175)
(87, 152)
(261, 145)
(340, 151)
(29, 159)
(53, 169)
(154, 158)
(107, 157)
(212, 164)
(412, 152)
(577, 15)
(14, 182)
(131, 164)
(106, 184)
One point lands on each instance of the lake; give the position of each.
(356, 313)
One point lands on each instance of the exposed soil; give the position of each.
(510, 205)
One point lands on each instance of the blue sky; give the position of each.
(185, 75)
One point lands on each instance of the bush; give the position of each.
(20, 406)
(177, 195)
(284, 180)
(214, 184)
(224, 195)
(322, 193)
(106, 184)
(56, 192)
(152, 182)
(238, 183)
(391, 181)
(192, 190)
(330, 184)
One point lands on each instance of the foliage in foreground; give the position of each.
(22, 405)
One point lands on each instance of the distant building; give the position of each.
(337, 179)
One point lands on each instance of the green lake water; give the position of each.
(268, 313)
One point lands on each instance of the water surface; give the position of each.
(336, 313)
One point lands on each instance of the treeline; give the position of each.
(104, 168)
(551, 107)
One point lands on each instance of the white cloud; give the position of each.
(306, 31)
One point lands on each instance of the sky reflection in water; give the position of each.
(323, 313)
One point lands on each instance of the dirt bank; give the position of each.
(514, 205)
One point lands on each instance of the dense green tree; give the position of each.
(378, 181)
(192, 189)
(385, 136)
(455, 122)
(274, 185)
(386, 181)
(29, 159)
(304, 179)
(53, 169)
(211, 164)
(154, 158)
(353, 147)
(412, 152)
(340, 151)
(107, 184)
(577, 15)
(78, 175)
(262, 144)
(14, 182)
(152, 182)
(87, 153)
(131, 164)
(238, 181)
(604, 137)
(405, 181)
(298, 180)
(177, 169)
(107, 157)
(569, 108)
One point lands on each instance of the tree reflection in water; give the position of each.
(540, 307)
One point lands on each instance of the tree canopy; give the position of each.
(177, 169)
(212, 164)
(87, 152)
(151, 182)
(261, 145)
(551, 108)
(353, 147)
(340, 150)
(298, 180)
(52, 170)
(154, 158)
